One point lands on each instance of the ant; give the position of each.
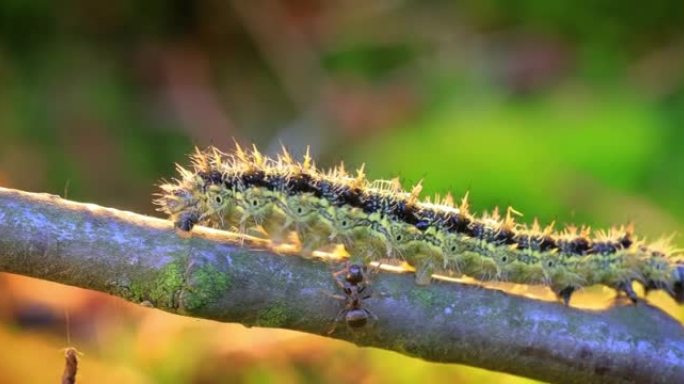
(354, 285)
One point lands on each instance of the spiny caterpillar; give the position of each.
(376, 220)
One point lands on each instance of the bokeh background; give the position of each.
(569, 111)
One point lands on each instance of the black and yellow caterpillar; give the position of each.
(376, 220)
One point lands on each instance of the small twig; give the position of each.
(70, 366)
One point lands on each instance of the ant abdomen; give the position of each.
(356, 318)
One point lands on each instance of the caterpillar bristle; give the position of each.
(448, 200)
(246, 190)
(464, 206)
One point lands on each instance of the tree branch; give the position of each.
(210, 274)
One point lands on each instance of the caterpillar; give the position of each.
(378, 220)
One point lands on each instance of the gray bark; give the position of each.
(216, 275)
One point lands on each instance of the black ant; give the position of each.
(354, 285)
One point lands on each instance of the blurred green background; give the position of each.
(569, 111)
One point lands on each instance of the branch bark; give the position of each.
(216, 275)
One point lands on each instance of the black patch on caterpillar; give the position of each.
(212, 177)
(547, 243)
(301, 183)
(326, 190)
(255, 178)
(538, 243)
(258, 178)
(371, 203)
(398, 209)
(577, 246)
(491, 235)
(408, 213)
(345, 195)
(456, 222)
(476, 230)
(230, 182)
(625, 241)
(604, 248)
(504, 236)
(276, 182)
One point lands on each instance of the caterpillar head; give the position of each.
(181, 194)
(186, 220)
(174, 199)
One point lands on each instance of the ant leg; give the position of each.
(337, 279)
(372, 271)
(375, 268)
(337, 319)
(334, 296)
(371, 314)
(344, 268)
(368, 295)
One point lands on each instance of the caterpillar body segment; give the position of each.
(376, 220)
(263, 208)
(420, 249)
(311, 218)
(221, 208)
(363, 236)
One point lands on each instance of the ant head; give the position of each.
(354, 274)
(356, 318)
